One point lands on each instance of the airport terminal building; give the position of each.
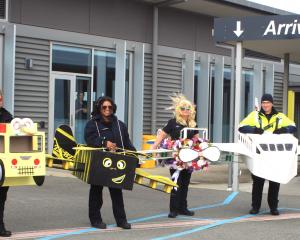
(62, 54)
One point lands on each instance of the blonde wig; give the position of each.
(179, 101)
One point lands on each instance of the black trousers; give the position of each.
(3, 194)
(96, 201)
(257, 190)
(178, 199)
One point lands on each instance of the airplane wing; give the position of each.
(232, 147)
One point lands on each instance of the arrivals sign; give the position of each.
(257, 28)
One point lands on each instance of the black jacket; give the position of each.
(5, 116)
(116, 130)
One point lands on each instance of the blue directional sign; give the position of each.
(257, 28)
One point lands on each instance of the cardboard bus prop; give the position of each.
(22, 153)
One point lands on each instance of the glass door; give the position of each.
(72, 103)
(64, 86)
(82, 106)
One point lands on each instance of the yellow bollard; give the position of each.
(148, 140)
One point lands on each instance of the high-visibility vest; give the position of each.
(259, 120)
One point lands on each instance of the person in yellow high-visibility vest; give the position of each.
(258, 122)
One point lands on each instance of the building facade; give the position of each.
(59, 56)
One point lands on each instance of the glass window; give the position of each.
(247, 76)
(226, 103)
(127, 76)
(71, 59)
(104, 74)
(105, 77)
(196, 81)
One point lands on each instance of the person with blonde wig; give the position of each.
(184, 116)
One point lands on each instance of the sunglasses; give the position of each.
(107, 107)
(185, 108)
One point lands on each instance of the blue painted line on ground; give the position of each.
(226, 201)
(198, 229)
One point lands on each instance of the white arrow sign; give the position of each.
(238, 32)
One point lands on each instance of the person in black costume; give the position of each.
(184, 112)
(105, 130)
(5, 117)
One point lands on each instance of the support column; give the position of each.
(286, 76)
(154, 69)
(238, 77)
(218, 99)
(138, 96)
(9, 67)
(203, 93)
(269, 84)
(257, 83)
(188, 83)
(120, 79)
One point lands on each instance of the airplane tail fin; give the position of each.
(63, 144)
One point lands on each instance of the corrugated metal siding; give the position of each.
(147, 93)
(169, 81)
(2, 9)
(32, 86)
(278, 91)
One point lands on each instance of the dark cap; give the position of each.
(267, 97)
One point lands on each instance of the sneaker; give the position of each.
(124, 225)
(274, 212)
(100, 225)
(186, 212)
(172, 215)
(4, 232)
(254, 211)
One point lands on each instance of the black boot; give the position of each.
(4, 232)
(124, 225)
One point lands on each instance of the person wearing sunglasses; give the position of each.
(184, 116)
(5, 117)
(105, 130)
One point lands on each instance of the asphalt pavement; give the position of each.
(59, 210)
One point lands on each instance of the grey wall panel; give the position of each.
(169, 81)
(147, 94)
(14, 11)
(187, 30)
(71, 15)
(32, 86)
(129, 20)
(120, 19)
(278, 91)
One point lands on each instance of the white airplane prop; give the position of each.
(270, 156)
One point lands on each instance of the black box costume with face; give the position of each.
(112, 170)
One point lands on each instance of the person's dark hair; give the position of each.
(99, 103)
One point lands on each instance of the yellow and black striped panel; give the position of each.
(82, 164)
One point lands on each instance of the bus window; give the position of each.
(20, 144)
(2, 144)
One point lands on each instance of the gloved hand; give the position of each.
(258, 131)
(280, 131)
